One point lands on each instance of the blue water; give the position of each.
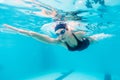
(24, 58)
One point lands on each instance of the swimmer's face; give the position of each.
(60, 32)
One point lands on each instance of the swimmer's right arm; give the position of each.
(38, 36)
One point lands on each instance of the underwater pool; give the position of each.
(24, 58)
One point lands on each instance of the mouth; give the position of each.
(62, 37)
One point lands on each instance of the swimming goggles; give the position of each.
(61, 32)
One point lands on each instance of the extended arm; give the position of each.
(40, 37)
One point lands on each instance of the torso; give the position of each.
(76, 42)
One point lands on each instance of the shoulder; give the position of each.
(80, 33)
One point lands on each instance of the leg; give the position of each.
(98, 37)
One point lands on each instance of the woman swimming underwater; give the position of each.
(66, 36)
(73, 41)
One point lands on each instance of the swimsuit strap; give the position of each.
(80, 44)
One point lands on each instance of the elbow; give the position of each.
(52, 41)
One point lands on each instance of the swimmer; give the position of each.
(73, 41)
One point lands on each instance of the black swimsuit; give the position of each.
(81, 45)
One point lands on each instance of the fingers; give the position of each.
(6, 25)
(11, 27)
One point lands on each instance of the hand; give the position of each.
(11, 27)
(17, 29)
(8, 26)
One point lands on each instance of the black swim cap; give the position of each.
(60, 26)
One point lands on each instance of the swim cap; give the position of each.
(60, 26)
